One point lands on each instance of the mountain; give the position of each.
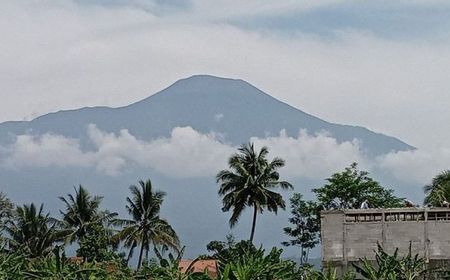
(234, 108)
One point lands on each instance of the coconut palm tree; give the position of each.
(33, 231)
(146, 227)
(250, 183)
(439, 190)
(82, 210)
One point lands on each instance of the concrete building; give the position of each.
(348, 235)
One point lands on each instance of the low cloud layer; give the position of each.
(186, 153)
(44, 151)
(189, 153)
(417, 166)
(312, 156)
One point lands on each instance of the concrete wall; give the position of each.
(439, 236)
(333, 236)
(403, 234)
(361, 240)
(349, 235)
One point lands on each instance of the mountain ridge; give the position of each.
(207, 103)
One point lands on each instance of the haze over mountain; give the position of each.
(232, 110)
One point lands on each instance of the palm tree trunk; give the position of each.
(255, 212)
(130, 253)
(140, 256)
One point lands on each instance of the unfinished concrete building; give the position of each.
(348, 235)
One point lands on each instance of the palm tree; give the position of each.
(146, 226)
(250, 183)
(439, 190)
(82, 210)
(33, 231)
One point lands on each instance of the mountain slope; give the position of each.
(233, 108)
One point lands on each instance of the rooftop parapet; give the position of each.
(386, 210)
(392, 214)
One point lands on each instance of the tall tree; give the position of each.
(146, 226)
(439, 190)
(344, 190)
(250, 183)
(306, 225)
(82, 211)
(33, 231)
(350, 188)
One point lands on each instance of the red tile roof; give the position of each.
(200, 266)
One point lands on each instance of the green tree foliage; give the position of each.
(168, 268)
(257, 265)
(306, 225)
(56, 267)
(392, 267)
(250, 183)
(229, 250)
(82, 211)
(12, 264)
(350, 188)
(96, 245)
(439, 190)
(242, 260)
(146, 227)
(32, 247)
(329, 273)
(343, 190)
(32, 231)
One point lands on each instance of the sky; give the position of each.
(383, 65)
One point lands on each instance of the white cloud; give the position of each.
(312, 156)
(417, 166)
(189, 153)
(44, 151)
(58, 55)
(186, 153)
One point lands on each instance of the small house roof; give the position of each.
(200, 266)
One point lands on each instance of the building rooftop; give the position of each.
(385, 210)
(392, 214)
(200, 266)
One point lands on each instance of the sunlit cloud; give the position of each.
(187, 153)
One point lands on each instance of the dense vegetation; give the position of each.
(32, 243)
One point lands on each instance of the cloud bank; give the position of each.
(417, 166)
(68, 54)
(312, 156)
(188, 153)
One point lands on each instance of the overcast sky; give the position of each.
(384, 65)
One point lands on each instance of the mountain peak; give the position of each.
(207, 87)
(204, 78)
(210, 83)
